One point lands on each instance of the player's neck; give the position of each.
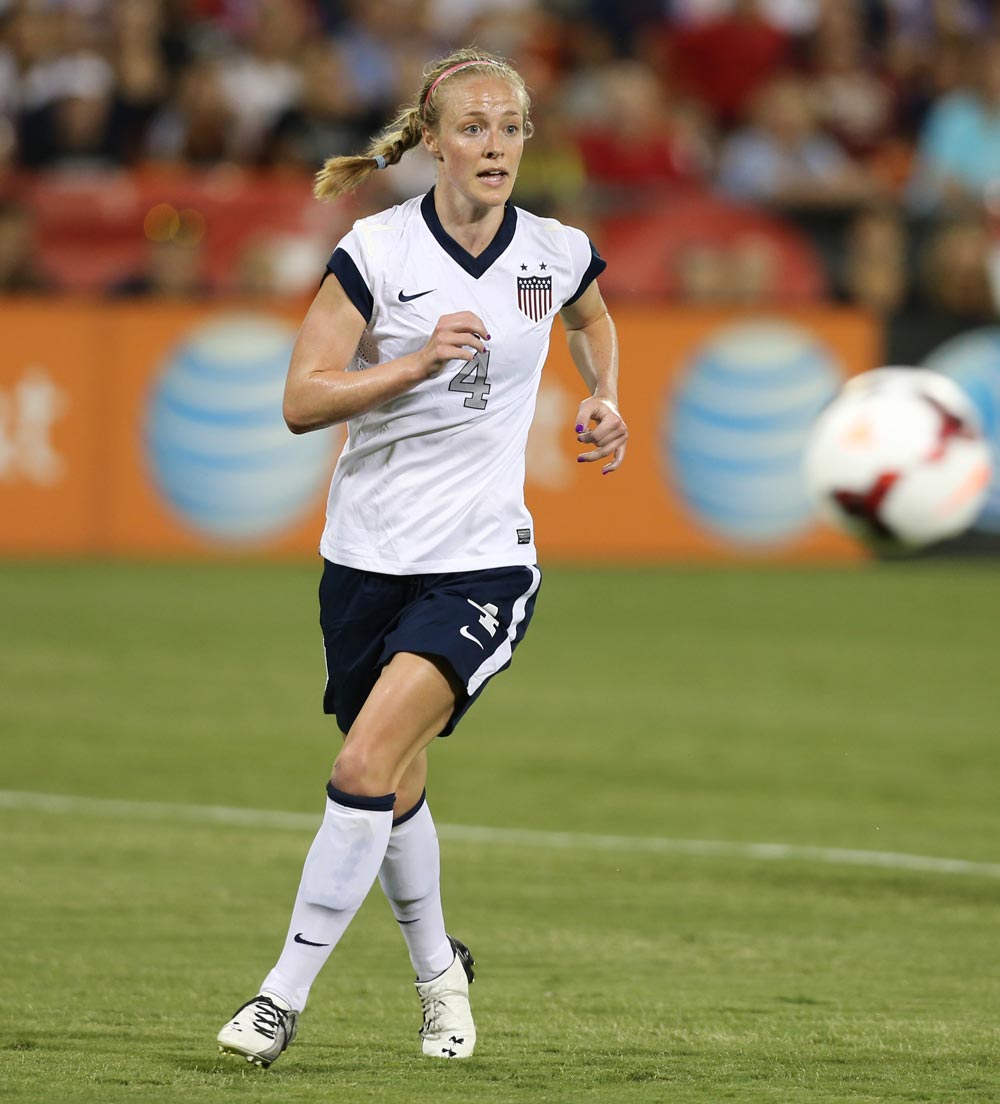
(471, 225)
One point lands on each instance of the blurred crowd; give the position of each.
(870, 126)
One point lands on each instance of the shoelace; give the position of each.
(267, 1018)
(433, 1007)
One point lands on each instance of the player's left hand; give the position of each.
(608, 434)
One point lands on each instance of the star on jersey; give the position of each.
(524, 268)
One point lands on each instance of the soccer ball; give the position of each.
(897, 459)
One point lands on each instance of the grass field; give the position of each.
(853, 709)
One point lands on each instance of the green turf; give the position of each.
(853, 708)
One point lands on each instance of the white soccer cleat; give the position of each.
(259, 1030)
(448, 1030)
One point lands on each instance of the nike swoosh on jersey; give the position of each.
(409, 298)
(308, 942)
(464, 631)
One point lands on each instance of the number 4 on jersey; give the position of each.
(472, 380)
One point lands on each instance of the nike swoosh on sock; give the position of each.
(308, 942)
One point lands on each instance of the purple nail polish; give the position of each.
(489, 337)
(579, 459)
(579, 429)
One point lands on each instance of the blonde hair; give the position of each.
(343, 174)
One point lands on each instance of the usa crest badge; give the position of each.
(534, 296)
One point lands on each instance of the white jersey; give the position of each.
(433, 480)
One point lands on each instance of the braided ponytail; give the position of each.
(343, 174)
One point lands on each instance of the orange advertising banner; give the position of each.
(156, 430)
(53, 428)
(718, 404)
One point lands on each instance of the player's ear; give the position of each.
(431, 144)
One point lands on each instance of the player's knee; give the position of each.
(360, 772)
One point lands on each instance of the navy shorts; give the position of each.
(471, 619)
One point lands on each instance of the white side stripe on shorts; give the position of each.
(493, 663)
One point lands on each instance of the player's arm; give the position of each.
(320, 392)
(593, 345)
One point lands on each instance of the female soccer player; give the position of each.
(429, 342)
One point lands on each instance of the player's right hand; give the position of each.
(460, 336)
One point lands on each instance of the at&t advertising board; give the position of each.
(156, 430)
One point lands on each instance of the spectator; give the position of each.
(794, 16)
(272, 264)
(587, 52)
(551, 178)
(377, 33)
(959, 150)
(454, 19)
(701, 274)
(716, 274)
(261, 82)
(874, 272)
(724, 61)
(624, 21)
(140, 67)
(856, 101)
(325, 122)
(46, 45)
(173, 269)
(954, 269)
(67, 112)
(645, 140)
(924, 21)
(18, 265)
(197, 125)
(755, 271)
(26, 39)
(80, 126)
(783, 159)
(798, 17)
(8, 147)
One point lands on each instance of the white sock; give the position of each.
(411, 879)
(339, 870)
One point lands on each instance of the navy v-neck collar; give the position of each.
(475, 266)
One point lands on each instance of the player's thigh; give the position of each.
(411, 702)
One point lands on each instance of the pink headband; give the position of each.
(455, 69)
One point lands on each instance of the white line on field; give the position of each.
(504, 837)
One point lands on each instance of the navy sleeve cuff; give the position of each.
(342, 265)
(597, 265)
